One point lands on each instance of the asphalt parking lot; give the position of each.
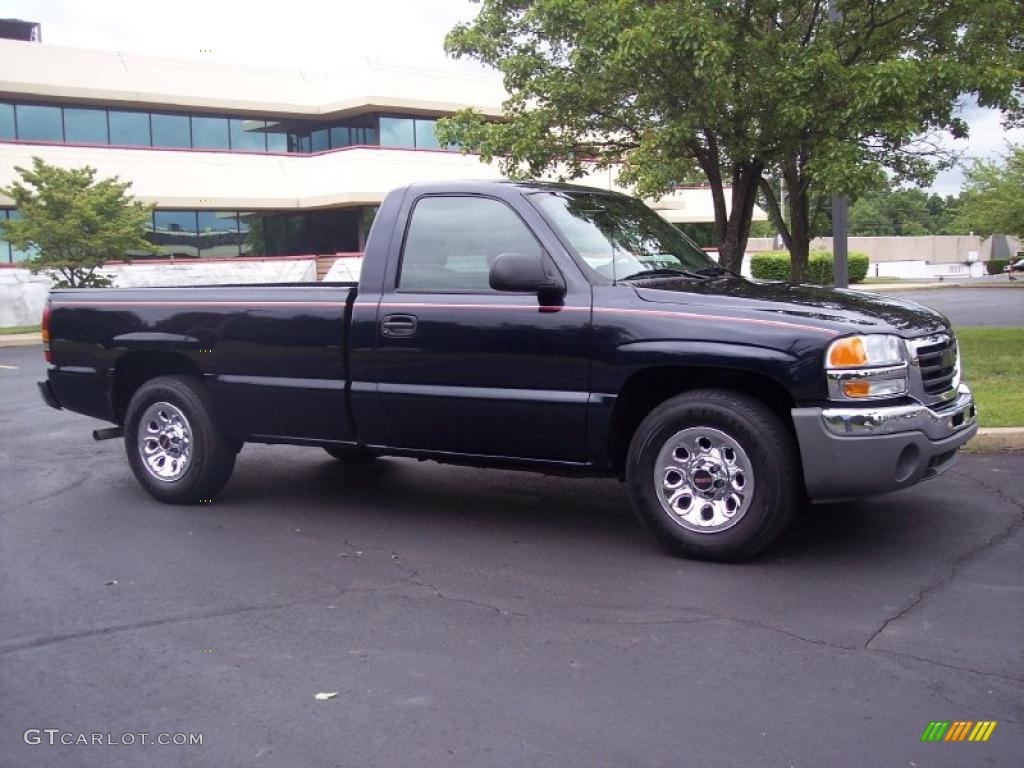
(483, 618)
(973, 306)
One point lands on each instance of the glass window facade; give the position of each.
(210, 133)
(425, 138)
(171, 130)
(226, 234)
(397, 132)
(86, 126)
(39, 123)
(319, 140)
(7, 130)
(5, 245)
(223, 234)
(174, 233)
(249, 135)
(129, 129)
(277, 137)
(134, 128)
(8, 253)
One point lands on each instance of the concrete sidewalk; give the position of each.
(932, 285)
(20, 339)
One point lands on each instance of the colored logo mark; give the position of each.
(958, 730)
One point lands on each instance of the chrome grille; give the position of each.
(937, 364)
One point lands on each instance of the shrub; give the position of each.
(995, 266)
(776, 266)
(770, 266)
(857, 264)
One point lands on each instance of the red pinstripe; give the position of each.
(425, 305)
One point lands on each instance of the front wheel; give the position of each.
(712, 474)
(176, 450)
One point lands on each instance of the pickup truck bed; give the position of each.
(274, 357)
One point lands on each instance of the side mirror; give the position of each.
(525, 273)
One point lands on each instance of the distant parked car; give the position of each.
(1014, 266)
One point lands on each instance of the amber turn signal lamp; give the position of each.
(847, 353)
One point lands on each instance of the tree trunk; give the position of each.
(799, 224)
(732, 228)
(796, 236)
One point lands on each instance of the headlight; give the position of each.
(864, 367)
(860, 351)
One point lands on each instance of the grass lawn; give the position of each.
(993, 362)
(20, 329)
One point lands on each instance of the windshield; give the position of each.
(619, 237)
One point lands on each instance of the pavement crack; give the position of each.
(944, 665)
(465, 600)
(52, 494)
(994, 489)
(39, 642)
(959, 562)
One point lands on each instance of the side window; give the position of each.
(453, 241)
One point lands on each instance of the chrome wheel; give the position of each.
(704, 480)
(165, 441)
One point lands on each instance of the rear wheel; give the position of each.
(712, 474)
(175, 449)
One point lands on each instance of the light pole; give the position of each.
(840, 207)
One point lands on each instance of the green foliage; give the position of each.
(993, 361)
(904, 211)
(995, 266)
(779, 266)
(857, 264)
(770, 266)
(74, 222)
(993, 200)
(735, 90)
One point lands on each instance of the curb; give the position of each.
(897, 287)
(20, 339)
(991, 439)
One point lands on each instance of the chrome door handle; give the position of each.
(398, 326)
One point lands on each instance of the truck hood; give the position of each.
(841, 310)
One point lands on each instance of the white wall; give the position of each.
(113, 77)
(345, 270)
(22, 294)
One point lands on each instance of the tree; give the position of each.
(74, 222)
(993, 199)
(903, 211)
(748, 92)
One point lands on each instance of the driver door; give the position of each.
(464, 369)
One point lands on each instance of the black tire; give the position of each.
(770, 452)
(212, 455)
(350, 455)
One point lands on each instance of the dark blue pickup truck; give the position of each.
(539, 326)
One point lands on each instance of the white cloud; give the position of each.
(324, 36)
(313, 35)
(987, 140)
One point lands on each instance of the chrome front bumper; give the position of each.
(937, 424)
(851, 452)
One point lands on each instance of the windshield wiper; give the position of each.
(665, 272)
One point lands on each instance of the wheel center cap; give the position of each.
(702, 480)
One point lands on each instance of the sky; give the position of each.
(325, 36)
